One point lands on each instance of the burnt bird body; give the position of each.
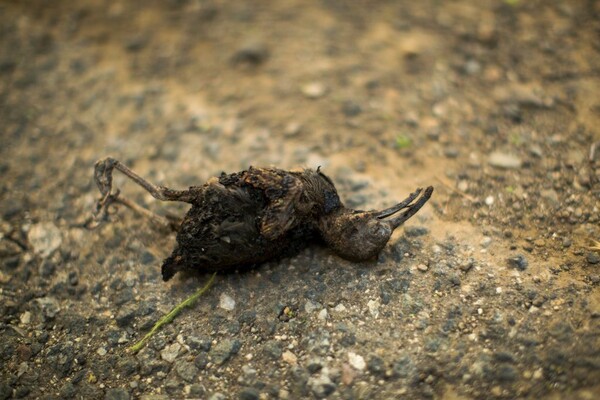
(246, 218)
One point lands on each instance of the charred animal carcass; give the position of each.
(246, 218)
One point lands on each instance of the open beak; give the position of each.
(410, 209)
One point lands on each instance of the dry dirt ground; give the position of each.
(492, 291)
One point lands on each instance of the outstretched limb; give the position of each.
(410, 209)
(103, 171)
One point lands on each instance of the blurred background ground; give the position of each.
(490, 292)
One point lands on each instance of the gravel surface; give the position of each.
(491, 291)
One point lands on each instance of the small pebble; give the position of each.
(249, 393)
(351, 108)
(339, 308)
(186, 370)
(451, 152)
(313, 90)
(414, 231)
(25, 318)
(551, 197)
(116, 394)
(252, 52)
(45, 238)
(536, 150)
(226, 302)
(373, 306)
(323, 314)
(311, 306)
(170, 352)
(593, 258)
(485, 242)
(519, 262)
(504, 160)
(321, 386)
(314, 365)
(348, 374)
(49, 307)
(289, 357)
(467, 265)
(356, 361)
(292, 129)
(224, 350)
(422, 267)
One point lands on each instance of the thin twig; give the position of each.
(172, 314)
(453, 189)
(593, 149)
(592, 160)
(596, 246)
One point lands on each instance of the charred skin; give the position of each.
(222, 229)
(246, 218)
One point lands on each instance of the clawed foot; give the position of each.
(101, 211)
(103, 170)
(103, 178)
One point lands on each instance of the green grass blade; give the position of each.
(172, 314)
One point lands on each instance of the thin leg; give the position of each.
(103, 177)
(169, 221)
(394, 209)
(412, 209)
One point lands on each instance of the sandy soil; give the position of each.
(490, 292)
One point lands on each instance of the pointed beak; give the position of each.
(407, 205)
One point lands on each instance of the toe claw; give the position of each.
(102, 205)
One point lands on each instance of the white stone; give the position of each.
(289, 357)
(485, 242)
(313, 90)
(45, 238)
(373, 306)
(26, 318)
(356, 361)
(340, 308)
(323, 314)
(311, 306)
(23, 368)
(226, 302)
(170, 352)
(504, 160)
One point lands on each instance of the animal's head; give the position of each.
(361, 235)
